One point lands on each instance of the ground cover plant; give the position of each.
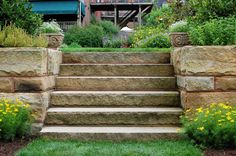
(46, 147)
(213, 126)
(15, 119)
(12, 36)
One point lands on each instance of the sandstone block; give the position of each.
(191, 83)
(226, 83)
(23, 61)
(198, 99)
(205, 60)
(6, 85)
(54, 61)
(38, 102)
(30, 84)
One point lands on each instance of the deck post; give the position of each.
(140, 16)
(116, 16)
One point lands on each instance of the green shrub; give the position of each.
(212, 127)
(180, 26)
(208, 9)
(90, 36)
(109, 27)
(15, 119)
(113, 43)
(214, 32)
(19, 13)
(11, 36)
(50, 27)
(159, 40)
(161, 17)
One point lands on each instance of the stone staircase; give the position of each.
(114, 96)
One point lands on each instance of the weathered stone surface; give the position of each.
(23, 61)
(31, 84)
(198, 99)
(116, 70)
(109, 98)
(111, 133)
(36, 128)
(191, 83)
(54, 61)
(115, 83)
(113, 116)
(6, 85)
(38, 102)
(226, 83)
(205, 60)
(116, 58)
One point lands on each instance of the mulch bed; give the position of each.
(9, 148)
(229, 152)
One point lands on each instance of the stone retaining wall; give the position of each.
(29, 75)
(205, 74)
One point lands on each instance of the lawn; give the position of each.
(72, 49)
(46, 147)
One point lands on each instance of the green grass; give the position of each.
(71, 49)
(44, 147)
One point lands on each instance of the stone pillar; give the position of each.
(29, 74)
(205, 74)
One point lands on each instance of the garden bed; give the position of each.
(69, 49)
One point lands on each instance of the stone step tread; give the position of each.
(163, 93)
(90, 129)
(115, 110)
(116, 77)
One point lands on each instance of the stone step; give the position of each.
(116, 58)
(115, 83)
(116, 70)
(110, 133)
(114, 98)
(113, 116)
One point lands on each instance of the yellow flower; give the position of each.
(229, 113)
(229, 118)
(16, 110)
(232, 120)
(201, 128)
(199, 110)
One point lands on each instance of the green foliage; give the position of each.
(160, 17)
(11, 36)
(113, 43)
(159, 40)
(50, 27)
(180, 26)
(208, 9)
(19, 13)
(212, 127)
(90, 36)
(15, 119)
(181, 9)
(214, 32)
(109, 28)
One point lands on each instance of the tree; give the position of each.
(19, 13)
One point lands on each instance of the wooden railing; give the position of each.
(121, 1)
(65, 25)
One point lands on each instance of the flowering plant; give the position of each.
(180, 26)
(15, 119)
(212, 127)
(50, 27)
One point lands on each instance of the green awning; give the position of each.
(57, 7)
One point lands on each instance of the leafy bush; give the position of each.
(15, 119)
(109, 27)
(19, 12)
(90, 36)
(113, 43)
(208, 9)
(212, 127)
(180, 26)
(143, 33)
(50, 27)
(11, 36)
(214, 32)
(161, 17)
(159, 40)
